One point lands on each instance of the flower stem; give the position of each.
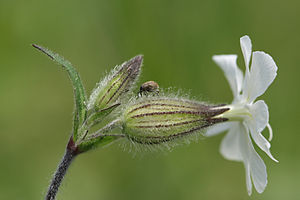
(70, 154)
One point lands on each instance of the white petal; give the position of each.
(259, 121)
(232, 73)
(248, 178)
(253, 164)
(270, 132)
(230, 147)
(262, 73)
(218, 128)
(262, 142)
(246, 47)
(258, 171)
(260, 115)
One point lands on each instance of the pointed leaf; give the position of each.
(96, 142)
(79, 93)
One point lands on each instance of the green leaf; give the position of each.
(100, 137)
(96, 142)
(79, 93)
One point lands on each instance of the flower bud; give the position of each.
(114, 85)
(156, 120)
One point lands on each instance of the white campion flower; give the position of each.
(245, 115)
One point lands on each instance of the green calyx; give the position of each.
(160, 119)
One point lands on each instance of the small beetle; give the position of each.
(149, 87)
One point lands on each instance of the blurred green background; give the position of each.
(178, 39)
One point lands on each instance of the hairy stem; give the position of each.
(62, 168)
